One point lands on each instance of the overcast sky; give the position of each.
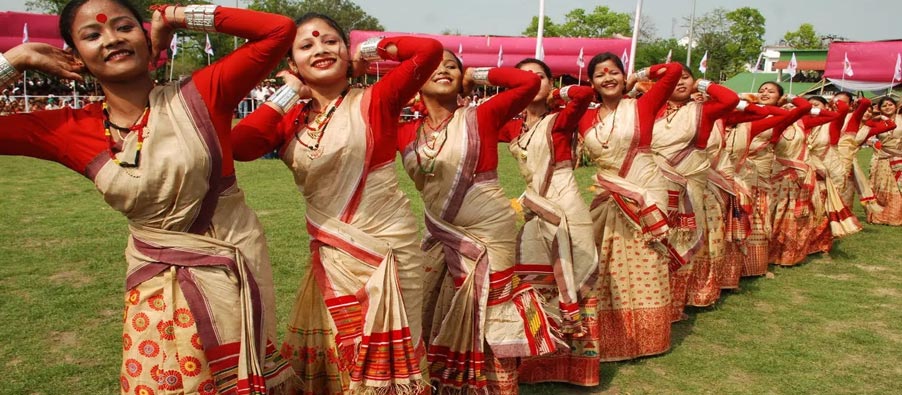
(857, 20)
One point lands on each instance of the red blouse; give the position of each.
(842, 109)
(522, 87)
(74, 137)
(802, 108)
(810, 121)
(565, 125)
(266, 130)
(752, 112)
(648, 105)
(855, 121)
(878, 127)
(722, 101)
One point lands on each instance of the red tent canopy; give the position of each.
(872, 63)
(481, 51)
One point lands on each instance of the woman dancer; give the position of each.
(752, 153)
(681, 133)
(555, 248)
(727, 237)
(199, 281)
(355, 326)
(886, 169)
(479, 317)
(855, 134)
(628, 214)
(792, 185)
(832, 218)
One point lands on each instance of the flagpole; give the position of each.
(691, 31)
(25, 90)
(171, 67)
(579, 80)
(541, 31)
(632, 67)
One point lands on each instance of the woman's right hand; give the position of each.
(46, 58)
(293, 81)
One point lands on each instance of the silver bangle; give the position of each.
(285, 98)
(703, 86)
(563, 93)
(742, 105)
(642, 75)
(481, 75)
(200, 17)
(369, 49)
(8, 73)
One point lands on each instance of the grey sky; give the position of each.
(857, 20)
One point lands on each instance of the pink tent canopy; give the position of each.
(872, 64)
(41, 29)
(481, 51)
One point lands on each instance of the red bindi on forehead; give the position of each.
(101, 17)
(316, 33)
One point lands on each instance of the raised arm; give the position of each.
(578, 99)
(842, 108)
(668, 76)
(419, 57)
(226, 82)
(261, 132)
(854, 124)
(818, 118)
(563, 133)
(777, 115)
(521, 87)
(879, 126)
(721, 101)
(802, 107)
(745, 112)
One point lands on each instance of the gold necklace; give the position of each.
(604, 144)
(523, 129)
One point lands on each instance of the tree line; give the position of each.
(733, 39)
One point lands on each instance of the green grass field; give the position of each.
(832, 325)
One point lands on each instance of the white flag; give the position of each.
(25, 34)
(847, 66)
(625, 59)
(793, 66)
(579, 61)
(897, 75)
(500, 55)
(208, 48)
(174, 44)
(703, 65)
(460, 52)
(669, 56)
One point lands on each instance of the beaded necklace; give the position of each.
(671, 113)
(138, 126)
(604, 144)
(431, 152)
(523, 129)
(315, 150)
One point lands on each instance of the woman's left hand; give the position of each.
(161, 32)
